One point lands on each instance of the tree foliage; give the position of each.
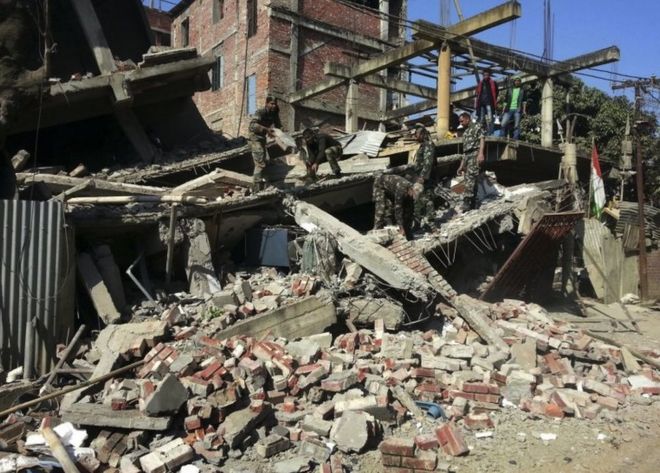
(599, 118)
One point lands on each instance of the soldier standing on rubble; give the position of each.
(474, 143)
(423, 176)
(392, 190)
(261, 126)
(321, 147)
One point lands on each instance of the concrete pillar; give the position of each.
(294, 48)
(384, 35)
(569, 163)
(546, 113)
(444, 82)
(352, 99)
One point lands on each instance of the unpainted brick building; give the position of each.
(278, 46)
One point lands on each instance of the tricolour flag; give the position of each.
(597, 187)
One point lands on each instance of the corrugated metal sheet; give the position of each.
(36, 283)
(524, 269)
(367, 142)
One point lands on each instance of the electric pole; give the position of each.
(640, 86)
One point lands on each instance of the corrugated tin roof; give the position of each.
(367, 142)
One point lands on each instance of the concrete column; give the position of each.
(384, 35)
(444, 82)
(294, 48)
(546, 113)
(352, 99)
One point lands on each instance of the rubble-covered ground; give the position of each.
(541, 395)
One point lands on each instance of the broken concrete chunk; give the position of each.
(365, 311)
(314, 424)
(305, 350)
(240, 423)
(97, 289)
(272, 445)
(524, 354)
(457, 351)
(167, 458)
(168, 397)
(294, 465)
(339, 382)
(351, 431)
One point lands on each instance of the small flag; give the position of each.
(597, 186)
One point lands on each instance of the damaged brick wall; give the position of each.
(266, 55)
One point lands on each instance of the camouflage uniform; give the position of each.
(324, 148)
(424, 168)
(258, 142)
(471, 140)
(390, 189)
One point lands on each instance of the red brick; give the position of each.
(423, 373)
(608, 402)
(489, 398)
(553, 410)
(451, 440)
(480, 388)
(404, 447)
(424, 461)
(478, 421)
(391, 460)
(192, 423)
(426, 442)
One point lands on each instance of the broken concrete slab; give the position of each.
(240, 423)
(351, 431)
(524, 354)
(199, 265)
(380, 261)
(475, 313)
(305, 317)
(365, 312)
(96, 288)
(105, 262)
(168, 397)
(294, 465)
(103, 416)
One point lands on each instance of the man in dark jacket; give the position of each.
(261, 126)
(486, 100)
(321, 147)
(515, 105)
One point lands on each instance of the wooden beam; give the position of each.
(396, 56)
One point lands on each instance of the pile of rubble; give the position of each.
(197, 401)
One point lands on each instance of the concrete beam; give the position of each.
(404, 87)
(327, 29)
(393, 57)
(373, 257)
(584, 61)
(93, 31)
(328, 107)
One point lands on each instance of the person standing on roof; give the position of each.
(515, 105)
(486, 100)
(262, 125)
(423, 176)
(474, 144)
(321, 147)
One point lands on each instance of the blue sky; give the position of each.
(580, 26)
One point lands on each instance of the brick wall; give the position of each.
(267, 56)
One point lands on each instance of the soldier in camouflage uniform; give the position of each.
(390, 191)
(321, 147)
(261, 126)
(423, 173)
(473, 150)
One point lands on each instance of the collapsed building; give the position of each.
(188, 322)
